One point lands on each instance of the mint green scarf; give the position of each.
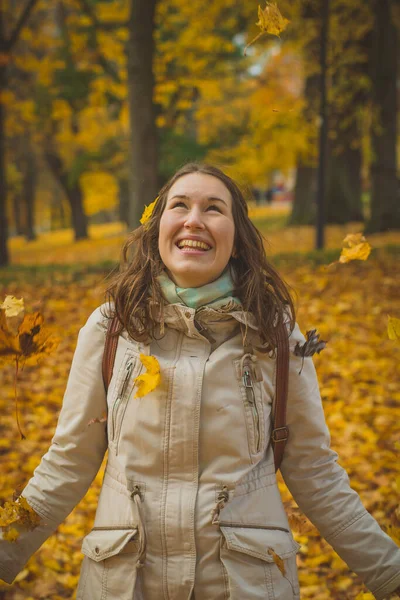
(214, 294)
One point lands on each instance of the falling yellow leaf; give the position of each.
(393, 328)
(13, 310)
(270, 20)
(25, 341)
(355, 247)
(12, 306)
(148, 211)
(147, 382)
(277, 560)
(31, 340)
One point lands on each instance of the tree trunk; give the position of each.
(304, 206)
(17, 210)
(344, 186)
(385, 198)
(29, 196)
(143, 158)
(303, 210)
(123, 196)
(79, 219)
(74, 196)
(4, 256)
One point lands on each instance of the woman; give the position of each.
(189, 506)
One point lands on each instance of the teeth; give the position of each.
(193, 244)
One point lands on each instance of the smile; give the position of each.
(190, 245)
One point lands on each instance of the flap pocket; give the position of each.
(103, 543)
(259, 542)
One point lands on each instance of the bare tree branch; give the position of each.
(10, 43)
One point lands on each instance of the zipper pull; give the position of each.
(128, 370)
(247, 381)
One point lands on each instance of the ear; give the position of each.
(234, 253)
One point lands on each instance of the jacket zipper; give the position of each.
(128, 369)
(251, 399)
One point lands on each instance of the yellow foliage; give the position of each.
(360, 395)
(17, 513)
(393, 328)
(31, 342)
(149, 381)
(22, 339)
(100, 191)
(355, 247)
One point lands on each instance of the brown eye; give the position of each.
(214, 207)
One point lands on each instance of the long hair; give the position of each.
(134, 290)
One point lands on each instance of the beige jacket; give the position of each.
(189, 502)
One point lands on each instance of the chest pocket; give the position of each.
(249, 378)
(130, 368)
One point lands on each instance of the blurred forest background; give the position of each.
(100, 102)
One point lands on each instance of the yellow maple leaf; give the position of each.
(148, 211)
(355, 247)
(393, 328)
(277, 560)
(270, 20)
(23, 340)
(147, 382)
(30, 342)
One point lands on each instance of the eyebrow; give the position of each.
(210, 198)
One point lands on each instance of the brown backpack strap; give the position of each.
(110, 349)
(280, 430)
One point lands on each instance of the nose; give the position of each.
(194, 219)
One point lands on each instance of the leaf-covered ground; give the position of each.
(359, 377)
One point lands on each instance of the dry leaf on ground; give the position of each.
(393, 328)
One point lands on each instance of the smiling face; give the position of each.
(197, 230)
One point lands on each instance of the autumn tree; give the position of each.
(79, 106)
(9, 36)
(143, 143)
(385, 195)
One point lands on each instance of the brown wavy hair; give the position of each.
(134, 289)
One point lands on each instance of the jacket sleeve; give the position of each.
(75, 455)
(321, 487)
